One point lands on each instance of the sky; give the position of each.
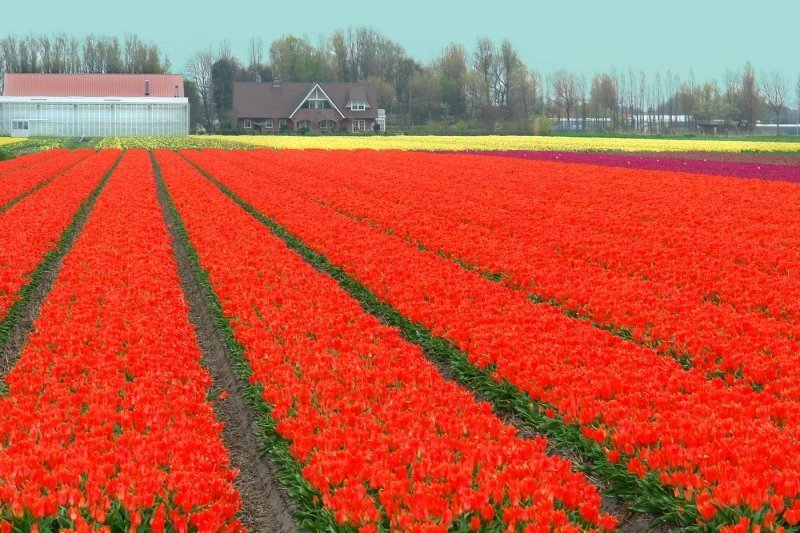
(707, 37)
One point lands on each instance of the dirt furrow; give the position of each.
(266, 507)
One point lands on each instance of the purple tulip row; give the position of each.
(766, 171)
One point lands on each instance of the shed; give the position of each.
(93, 105)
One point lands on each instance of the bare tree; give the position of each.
(483, 62)
(568, 93)
(751, 100)
(775, 89)
(509, 65)
(797, 101)
(643, 99)
(198, 69)
(255, 51)
(605, 97)
(658, 102)
(451, 69)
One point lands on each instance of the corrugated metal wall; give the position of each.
(82, 119)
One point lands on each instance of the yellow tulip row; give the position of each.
(9, 140)
(496, 142)
(175, 143)
(446, 143)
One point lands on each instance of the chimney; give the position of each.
(147, 87)
(276, 82)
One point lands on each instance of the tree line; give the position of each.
(486, 87)
(491, 85)
(92, 54)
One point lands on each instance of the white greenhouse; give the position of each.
(93, 105)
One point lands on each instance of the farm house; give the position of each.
(93, 105)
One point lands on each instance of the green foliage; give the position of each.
(295, 59)
(223, 73)
(195, 107)
(542, 125)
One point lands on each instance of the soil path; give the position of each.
(265, 504)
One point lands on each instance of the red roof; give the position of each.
(98, 85)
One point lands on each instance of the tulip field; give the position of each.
(487, 143)
(458, 337)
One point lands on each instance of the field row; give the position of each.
(106, 408)
(369, 418)
(603, 307)
(8, 140)
(585, 375)
(766, 167)
(662, 273)
(483, 143)
(506, 142)
(105, 419)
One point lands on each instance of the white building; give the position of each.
(93, 105)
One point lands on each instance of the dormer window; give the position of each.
(358, 105)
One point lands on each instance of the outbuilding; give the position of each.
(93, 105)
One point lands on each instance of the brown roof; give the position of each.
(97, 85)
(357, 93)
(268, 100)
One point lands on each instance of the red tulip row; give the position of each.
(20, 181)
(106, 424)
(31, 228)
(631, 249)
(718, 448)
(379, 434)
(27, 160)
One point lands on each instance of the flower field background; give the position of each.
(503, 341)
(8, 140)
(508, 142)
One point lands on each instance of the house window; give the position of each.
(248, 124)
(282, 124)
(358, 106)
(317, 100)
(268, 124)
(326, 124)
(304, 125)
(359, 125)
(19, 124)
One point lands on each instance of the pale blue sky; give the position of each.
(708, 36)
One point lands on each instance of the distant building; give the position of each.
(93, 105)
(322, 107)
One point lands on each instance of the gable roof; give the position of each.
(309, 94)
(97, 85)
(266, 100)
